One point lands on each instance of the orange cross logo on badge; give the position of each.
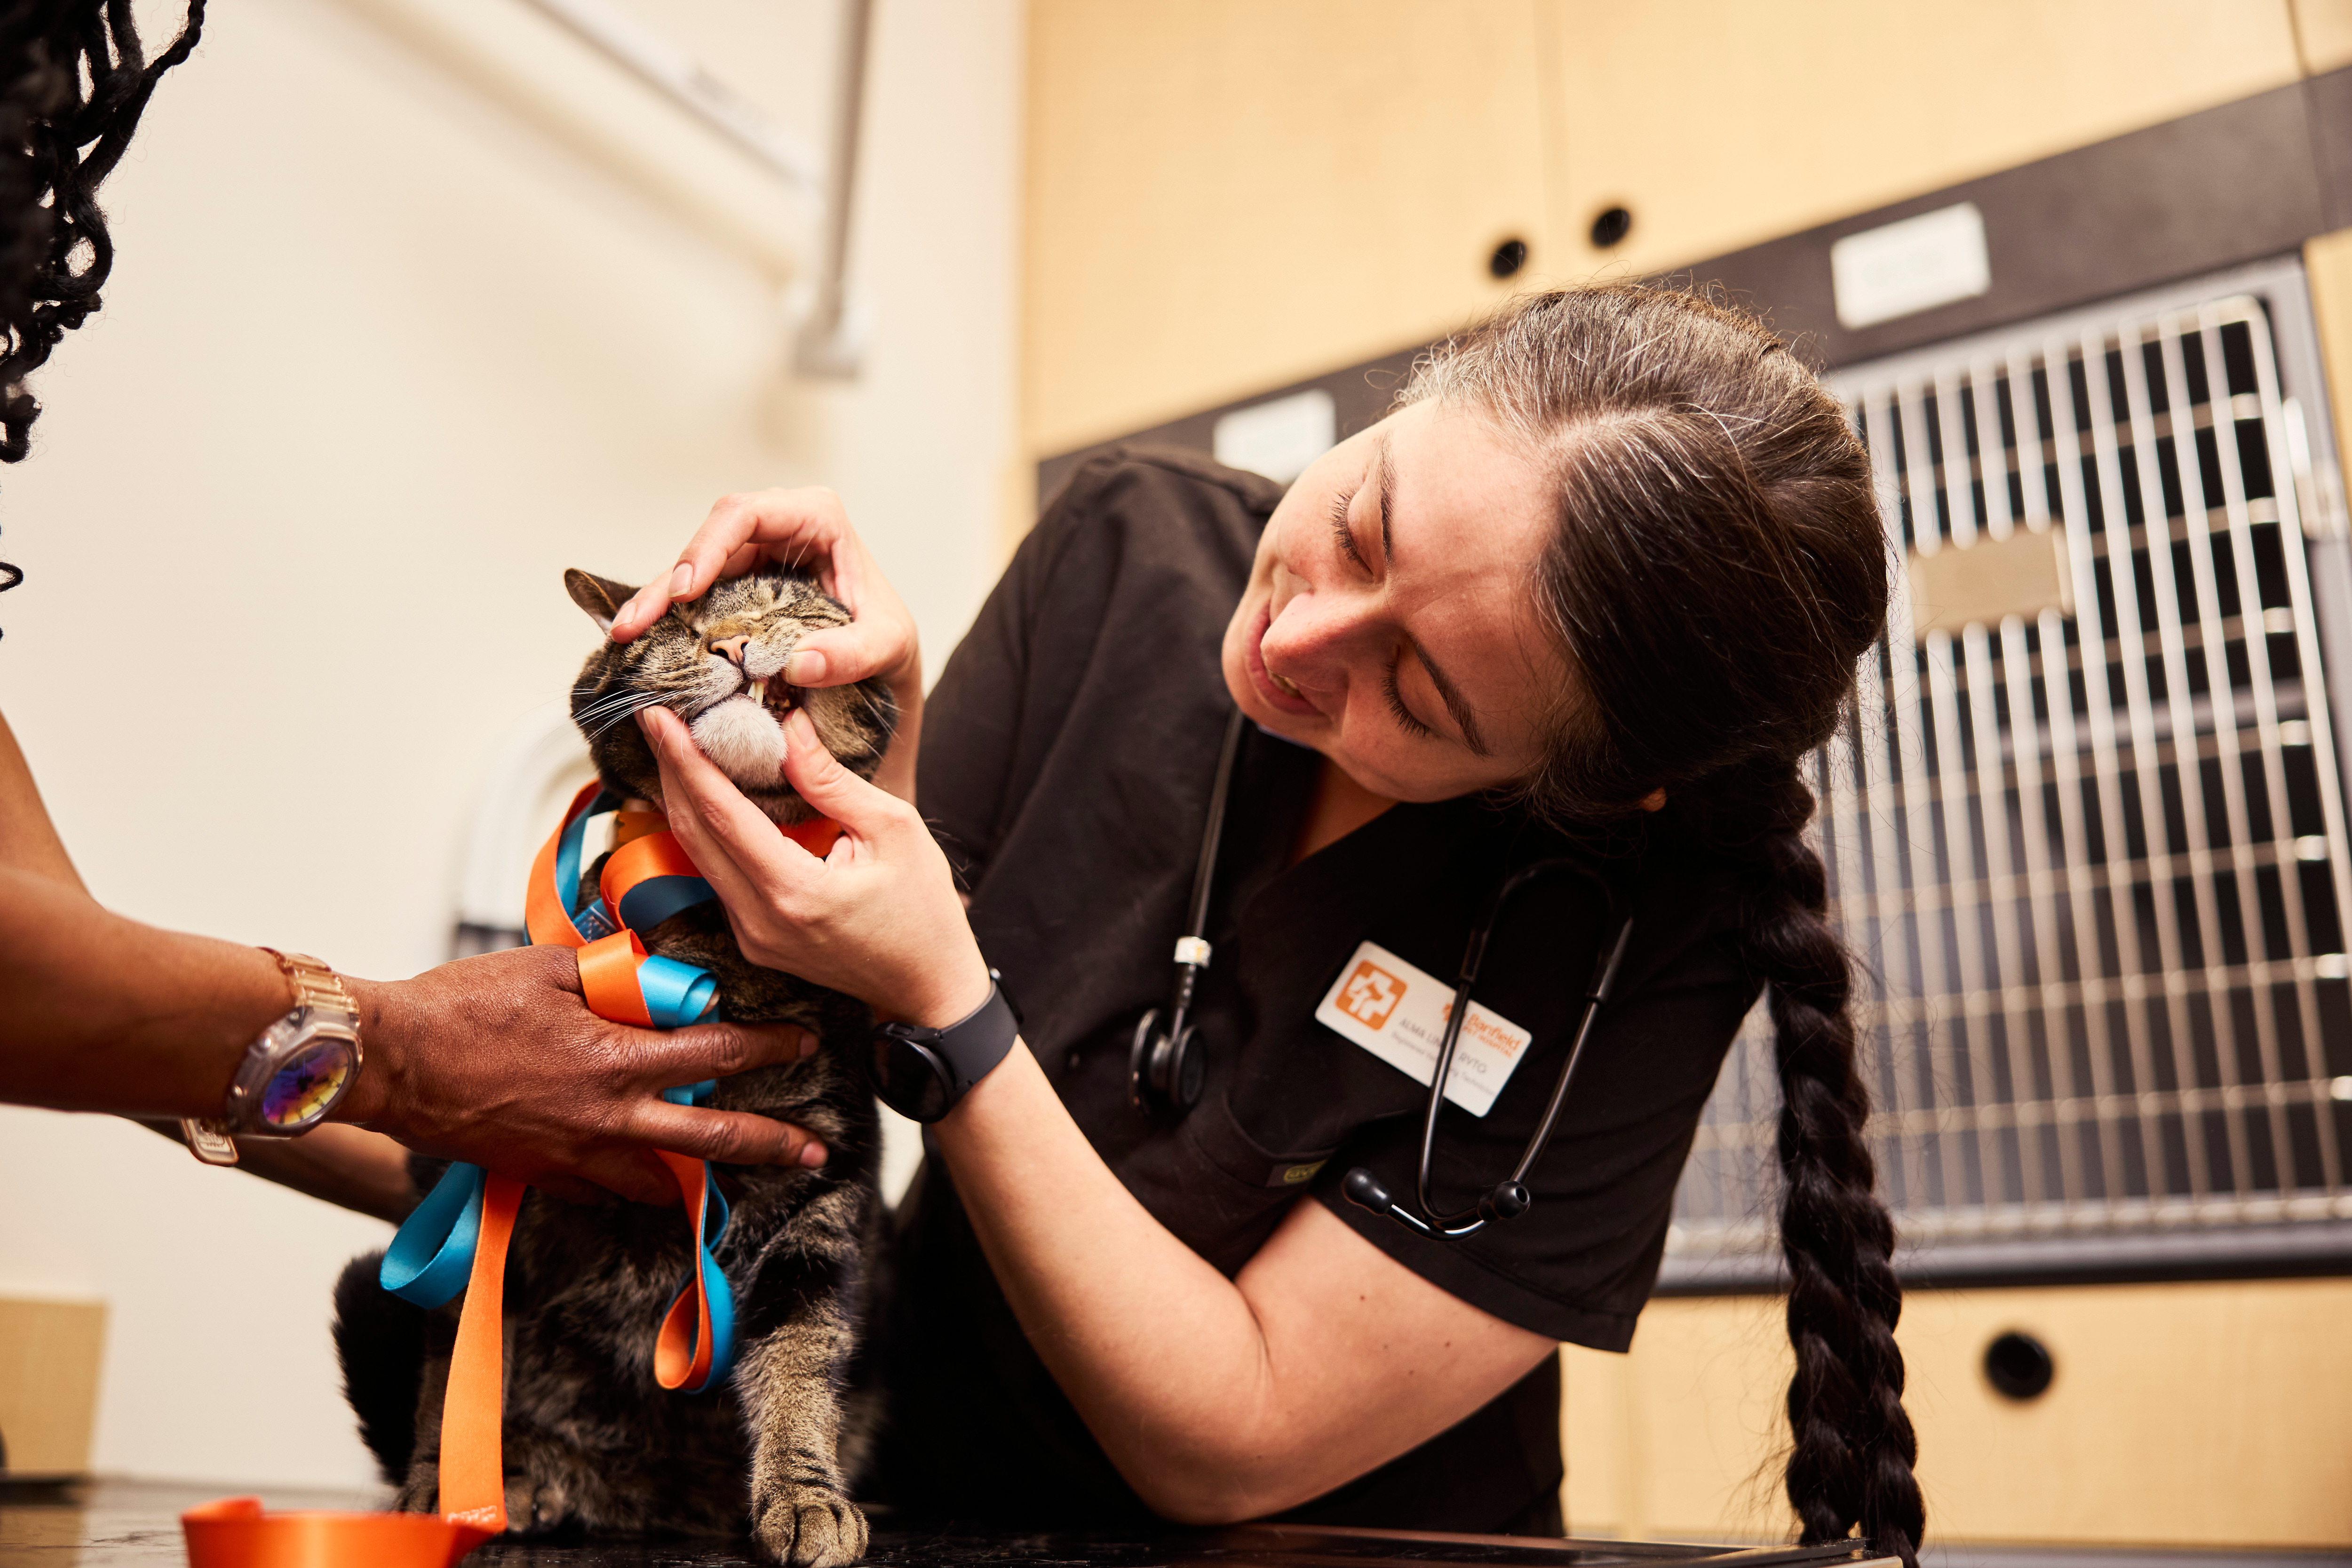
(1370, 995)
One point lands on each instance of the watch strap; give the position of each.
(962, 1053)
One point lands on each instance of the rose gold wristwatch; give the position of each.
(294, 1073)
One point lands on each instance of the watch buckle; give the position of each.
(209, 1140)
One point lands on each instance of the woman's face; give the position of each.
(1389, 623)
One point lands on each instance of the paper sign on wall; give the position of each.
(1917, 263)
(1398, 1013)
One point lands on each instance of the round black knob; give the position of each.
(1364, 1191)
(1508, 258)
(1509, 1200)
(2018, 1365)
(1610, 227)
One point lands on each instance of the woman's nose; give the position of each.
(1312, 634)
(731, 648)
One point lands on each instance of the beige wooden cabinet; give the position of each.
(1224, 195)
(2205, 1413)
(50, 1355)
(1227, 194)
(1719, 124)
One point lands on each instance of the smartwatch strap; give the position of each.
(965, 1051)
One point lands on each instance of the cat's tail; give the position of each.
(380, 1339)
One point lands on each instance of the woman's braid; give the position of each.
(1854, 1449)
(1718, 568)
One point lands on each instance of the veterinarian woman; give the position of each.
(496, 1060)
(1593, 589)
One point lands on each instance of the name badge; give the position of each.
(1398, 1013)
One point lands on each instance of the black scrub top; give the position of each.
(1069, 753)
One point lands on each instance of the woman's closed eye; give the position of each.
(1390, 691)
(1404, 715)
(1346, 535)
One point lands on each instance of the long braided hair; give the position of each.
(1717, 570)
(74, 80)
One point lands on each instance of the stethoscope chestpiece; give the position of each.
(1165, 1070)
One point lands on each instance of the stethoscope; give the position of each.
(1166, 1064)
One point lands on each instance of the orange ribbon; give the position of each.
(239, 1533)
(236, 1533)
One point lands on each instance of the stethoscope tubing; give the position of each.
(1464, 1221)
(1157, 1037)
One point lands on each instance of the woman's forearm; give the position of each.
(1173, 1378)
(99, 1013)
(350, 1167)
(28, 840)
(1165, 1358)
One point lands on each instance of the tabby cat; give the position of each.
(592, 1441)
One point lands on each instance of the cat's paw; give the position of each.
(536, 1506)
(810, 1527)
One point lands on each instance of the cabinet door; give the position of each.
(1226, 195)
(2196, 1413)
(1721, 123)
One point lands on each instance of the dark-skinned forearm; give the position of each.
(347, 1166)
(99, 1013)
(28, 840)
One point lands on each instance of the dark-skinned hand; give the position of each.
(498, 1061)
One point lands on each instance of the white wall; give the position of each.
(383, 352)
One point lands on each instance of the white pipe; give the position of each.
(674, 74)
(832, 340)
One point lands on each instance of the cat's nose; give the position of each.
(732, 648)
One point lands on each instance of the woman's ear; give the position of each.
(1654, 801)
(600, 596)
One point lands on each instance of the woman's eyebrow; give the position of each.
(1383, 486)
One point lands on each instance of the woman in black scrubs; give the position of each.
(1594, 589)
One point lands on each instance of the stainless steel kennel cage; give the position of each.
(2086, 823)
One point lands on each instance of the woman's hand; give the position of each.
(497, 1060)
(807, 528)
(878, 917)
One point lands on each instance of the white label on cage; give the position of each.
(1398, 1013)
(1279, 438)
(1903, 268)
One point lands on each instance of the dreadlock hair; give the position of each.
(73, 82)
(1718, 570)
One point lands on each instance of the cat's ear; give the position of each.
(600, 596)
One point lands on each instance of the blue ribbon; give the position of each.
(432, 1256)
(714, 1287)
(657, 898)
(676, 994)
(568, 845)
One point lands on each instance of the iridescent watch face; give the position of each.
(306, 1087)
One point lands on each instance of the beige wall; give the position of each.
(2216, 1414)
(1224, 197)
(404, 322)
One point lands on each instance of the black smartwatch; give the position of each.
(922, 1074)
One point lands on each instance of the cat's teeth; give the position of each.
(759, 691)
